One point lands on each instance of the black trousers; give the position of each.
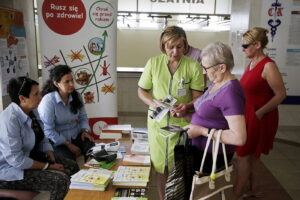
(63, 151)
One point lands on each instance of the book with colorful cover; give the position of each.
(133, 159)
(131, 176)
(91, 179)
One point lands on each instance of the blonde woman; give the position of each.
(264, 90)
(173, 74)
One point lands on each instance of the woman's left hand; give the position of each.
(193, 130)
(259, 115)
(50, 155)
(88, 136)
(179, 110)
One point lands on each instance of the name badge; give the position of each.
(181, 92)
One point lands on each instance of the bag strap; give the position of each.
(225, 156)
(215, 152)
(215, 155)
(206, 148)
(183, 134)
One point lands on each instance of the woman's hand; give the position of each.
(193, 130)
(259, 115)
(74, 149)
(88, 136)
(56, 166)
(179, 110)
(50, 155)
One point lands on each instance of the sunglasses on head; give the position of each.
(245, 46)
(22, 86)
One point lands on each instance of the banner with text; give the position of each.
(176, 6)
(282, 19)
(82, 35)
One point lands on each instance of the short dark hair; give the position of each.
(20, 86)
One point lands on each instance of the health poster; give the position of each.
(13, 46)
(82, 35)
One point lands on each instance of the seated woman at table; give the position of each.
(63, 114)
(27, 161)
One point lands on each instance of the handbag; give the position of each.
(179, 180)
(216, 185)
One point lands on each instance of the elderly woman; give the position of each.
(220, 107)
(264, 90)
(27, 161)
(173, 74)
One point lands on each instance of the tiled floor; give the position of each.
(283, 161)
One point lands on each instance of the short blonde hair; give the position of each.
(172, 34)
(218, 53)
(257, 34)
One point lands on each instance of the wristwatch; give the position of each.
(86, 130)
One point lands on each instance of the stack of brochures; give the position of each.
(115, 131)
(140, 141)
(131, 176)
(133, 159)
(139, 134)
(91, 179)
(140, 147)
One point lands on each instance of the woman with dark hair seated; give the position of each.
(27, 161)
(63, 114)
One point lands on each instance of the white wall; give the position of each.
(135, 47)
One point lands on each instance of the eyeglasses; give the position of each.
(22, 86)
(206, 68)
(245, 46)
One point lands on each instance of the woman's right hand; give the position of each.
(74, 149)
(56, 166)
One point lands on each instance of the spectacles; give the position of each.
(245, 46)
(206, 68)
(22, 86)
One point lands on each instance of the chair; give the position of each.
(17, 194)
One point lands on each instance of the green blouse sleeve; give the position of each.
(145, 81)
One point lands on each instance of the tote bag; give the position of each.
(179, 181)
(217, 185)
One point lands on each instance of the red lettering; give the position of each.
(270, 12)
(279, 12)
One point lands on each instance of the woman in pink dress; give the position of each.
(264, 90)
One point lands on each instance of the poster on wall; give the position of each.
(82, 35)
(13, 48)
(282, 19)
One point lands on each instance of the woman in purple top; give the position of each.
(221, 106)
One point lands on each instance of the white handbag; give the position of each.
(216, 185)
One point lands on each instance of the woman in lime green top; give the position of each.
(173, 74)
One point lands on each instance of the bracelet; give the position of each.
(46, 166)
(209, 130)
